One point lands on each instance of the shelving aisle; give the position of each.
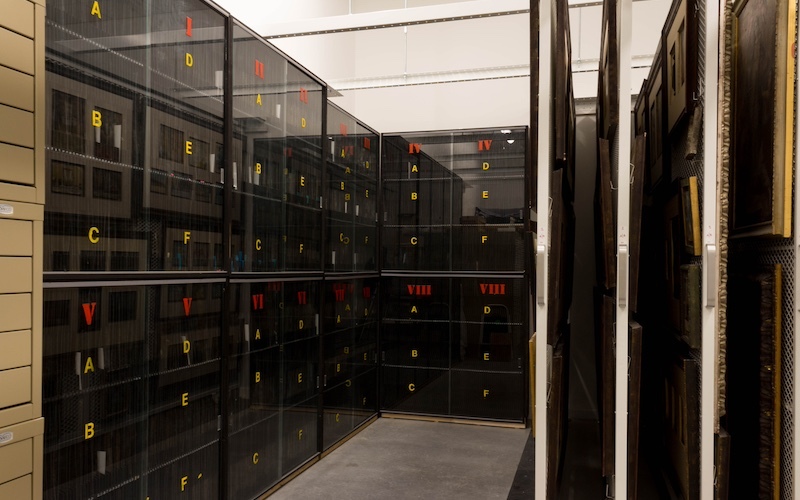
(405, 459)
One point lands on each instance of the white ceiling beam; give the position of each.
(459, 11)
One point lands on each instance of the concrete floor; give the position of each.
(407, 459)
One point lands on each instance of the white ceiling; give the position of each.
(444, 75)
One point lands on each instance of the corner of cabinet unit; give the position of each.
(22, 195)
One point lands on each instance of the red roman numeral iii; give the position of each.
(419, 290)
(302, 298)
(485, 145)
(414, 148)
(338, 291)
(258, 302)
(493, 288)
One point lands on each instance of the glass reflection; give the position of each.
(134, 136)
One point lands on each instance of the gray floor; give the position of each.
(405, 459)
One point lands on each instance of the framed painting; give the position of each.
(605, 229)
(637, 202)
(682, 422)
(691, 314)
(762, 108)
(655, 124)
(673, 249)
(680, 35)
(640, 111)
(753, 415)
(608, 76)
(690, 204)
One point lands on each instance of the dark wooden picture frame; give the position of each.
(762, 133)
(753, 406)
(608, 76)
(605, 230)
(682, 422)
(564, 106)
(673, 249)
(680, 38)
(637, 206)
(657, 164)
(640, 111)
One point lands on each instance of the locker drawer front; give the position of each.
(16, 460)
(19, 489)
(17, 273)
(21, 21)
(17, 237)
(16, 386)
(15, 349)
(17, 53)
(15, 311)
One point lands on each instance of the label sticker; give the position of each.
(6, 437)
(6, 209)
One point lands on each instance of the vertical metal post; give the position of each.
(227, 218)
(543, 155)
(708, 381)
(624, 26)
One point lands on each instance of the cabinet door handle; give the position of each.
(622, 276)
(540, 274)
(712, 268)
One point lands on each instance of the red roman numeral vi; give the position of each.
(258, 302)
